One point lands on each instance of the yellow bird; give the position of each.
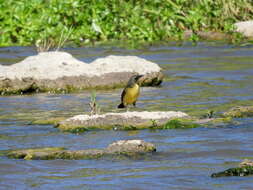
(130, 92)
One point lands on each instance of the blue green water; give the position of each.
(198, 79)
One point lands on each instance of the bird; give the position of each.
(131, 92)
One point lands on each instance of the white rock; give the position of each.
(53, 65)
(142, 115)
(135, 142)
(246, 28)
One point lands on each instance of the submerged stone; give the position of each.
(120, 121)
(60, 72)
(124, 147)
(240, 111)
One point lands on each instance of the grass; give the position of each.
(94, 106)
(26, 22)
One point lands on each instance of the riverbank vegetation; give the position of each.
(34, 22)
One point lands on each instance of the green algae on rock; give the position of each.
(239, 171)
(28, 154)
(245, 168)
(48, 121)
(180, 124)
(239, 111)
(119, 121)
(124, 147)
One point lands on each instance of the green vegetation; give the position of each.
(180, 124)
(48, 121)
(94, 106)
(45, 22)
(27, 154)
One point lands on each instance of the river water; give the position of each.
(208, 76)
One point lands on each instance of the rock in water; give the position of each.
(61, 72)
(119, 121)
(123, 147)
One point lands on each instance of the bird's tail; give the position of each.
(121, 105)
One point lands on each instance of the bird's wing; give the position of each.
(123, 94)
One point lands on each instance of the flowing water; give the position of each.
(200, 78)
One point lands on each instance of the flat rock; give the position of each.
(245, 27)
(55, 71)
(123, 147)
(119, 121)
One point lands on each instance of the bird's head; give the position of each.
(134, 79)
(137, 77)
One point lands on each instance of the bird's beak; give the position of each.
(139, 76)
(138, 81)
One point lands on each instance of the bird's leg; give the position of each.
(127, 108)
(134, 104)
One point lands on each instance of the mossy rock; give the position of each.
(126, 121)
(130, 148)
(29, 154)
(239, 171)
(137, 121)
(239, 111)
(245, 168)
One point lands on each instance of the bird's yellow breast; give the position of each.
(131, 94)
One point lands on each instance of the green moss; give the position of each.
(49, 121)
(180, 124)
(239, 171)
(222, 120)
(72, 129)
(29, 153)
(81, 128)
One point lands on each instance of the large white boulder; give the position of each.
(60, 70)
